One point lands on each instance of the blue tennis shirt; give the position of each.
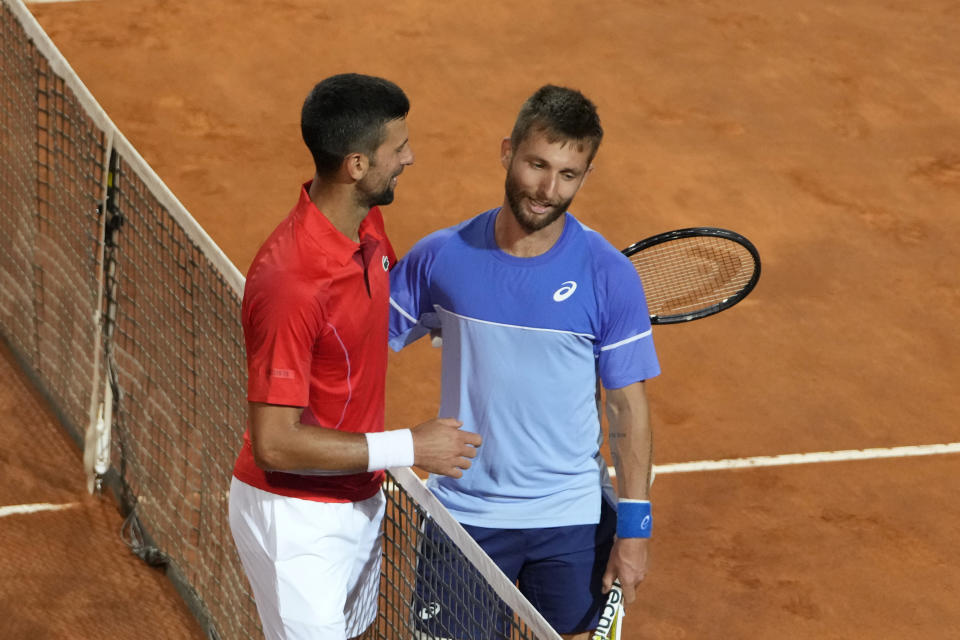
(524, 340)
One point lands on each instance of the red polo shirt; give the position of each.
(315, 312)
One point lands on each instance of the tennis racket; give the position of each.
(611, 617)
(693, 273)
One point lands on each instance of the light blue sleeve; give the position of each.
(411, 308)
(626, 351)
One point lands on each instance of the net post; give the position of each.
(96, 442)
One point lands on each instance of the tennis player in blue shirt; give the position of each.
(534, 308)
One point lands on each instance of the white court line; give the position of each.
(16, 509)
(49, 1)
(805, 458)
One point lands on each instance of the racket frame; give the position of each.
(690, 232)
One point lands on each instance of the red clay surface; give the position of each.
(67, 574)
(829, 134)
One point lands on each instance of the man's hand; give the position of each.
(628, 562)
(440, 446)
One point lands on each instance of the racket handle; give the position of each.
(611, 617)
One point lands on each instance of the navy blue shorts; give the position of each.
(558, 569)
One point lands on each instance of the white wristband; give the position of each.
(389, 449)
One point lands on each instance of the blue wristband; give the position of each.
(634, 518)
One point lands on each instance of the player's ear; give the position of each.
(356, 165)
(506, 152)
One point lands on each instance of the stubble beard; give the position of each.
(383, 197)
(529, 222)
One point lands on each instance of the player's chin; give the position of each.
(383, 198)
(535, 221)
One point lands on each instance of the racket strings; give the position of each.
(693, 273)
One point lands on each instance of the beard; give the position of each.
(531, 222)
(379, 198)
(381, 194)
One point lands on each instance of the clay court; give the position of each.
(828, 133)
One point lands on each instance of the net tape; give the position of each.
(111, 292)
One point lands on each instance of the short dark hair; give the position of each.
(346, 114)
(563, 114)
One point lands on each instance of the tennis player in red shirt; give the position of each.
(305, 498)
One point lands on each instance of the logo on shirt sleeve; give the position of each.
(565, 291)
(386, 263)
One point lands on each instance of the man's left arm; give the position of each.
(631, 447)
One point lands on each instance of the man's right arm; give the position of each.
(412, 314)
(281, 443)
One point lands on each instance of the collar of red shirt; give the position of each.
(336, 245)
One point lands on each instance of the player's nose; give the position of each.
(547, 188)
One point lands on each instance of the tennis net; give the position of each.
(127, 316)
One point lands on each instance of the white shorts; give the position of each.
(314, 567)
